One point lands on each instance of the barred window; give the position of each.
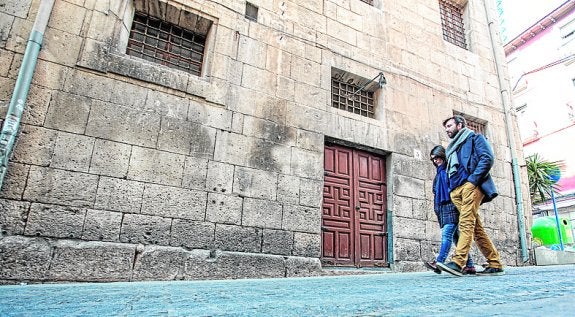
(168, 44)
(474, 124)
(348, 97)
(452, 23)
(370, 2)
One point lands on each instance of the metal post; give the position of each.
(22, 86)
(557, 221)
(498, 57)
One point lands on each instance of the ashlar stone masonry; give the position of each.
(126, 169)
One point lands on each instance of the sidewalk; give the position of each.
(524, 291)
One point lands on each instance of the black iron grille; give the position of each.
(476, 126)
(345, 96)
(452, 23)
(161, 42)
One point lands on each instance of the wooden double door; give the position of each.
(354, 224)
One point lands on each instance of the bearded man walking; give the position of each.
(469, 160)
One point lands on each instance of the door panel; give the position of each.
(371, 199)
(337, 217)
(354, 205)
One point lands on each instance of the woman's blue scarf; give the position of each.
(440, 187)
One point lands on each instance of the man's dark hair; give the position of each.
(458, 119)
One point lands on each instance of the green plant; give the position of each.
(543, 176)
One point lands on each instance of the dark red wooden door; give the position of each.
(354, 208)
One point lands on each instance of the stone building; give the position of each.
(194, 139)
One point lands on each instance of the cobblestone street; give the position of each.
(524, 291)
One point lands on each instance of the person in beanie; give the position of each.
(446, 212)
(469, 160)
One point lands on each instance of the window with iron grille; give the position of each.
(472, 123)
(476, 126)
(348, 97)
(452, 23)
(370, 2)
(165, 43)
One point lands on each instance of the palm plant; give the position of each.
(543, 176)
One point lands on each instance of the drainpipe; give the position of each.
(22, 86)
(505, 100)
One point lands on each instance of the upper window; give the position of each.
(370, 2)
(168, 44)
(347, 94)
(251, 12)
(156, 42)
(452, 22)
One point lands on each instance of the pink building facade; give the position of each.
(542, 75)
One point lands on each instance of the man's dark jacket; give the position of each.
(476, 155)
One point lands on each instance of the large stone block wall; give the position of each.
(129, 170)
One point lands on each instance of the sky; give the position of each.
(521, 14)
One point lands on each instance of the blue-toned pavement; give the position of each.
(523, 291)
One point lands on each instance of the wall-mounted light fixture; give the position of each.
(380, 82)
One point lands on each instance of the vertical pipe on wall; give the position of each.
(22, 86)
(505, 100)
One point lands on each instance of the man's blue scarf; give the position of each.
(452, 160)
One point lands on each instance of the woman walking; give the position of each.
(446, 212)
